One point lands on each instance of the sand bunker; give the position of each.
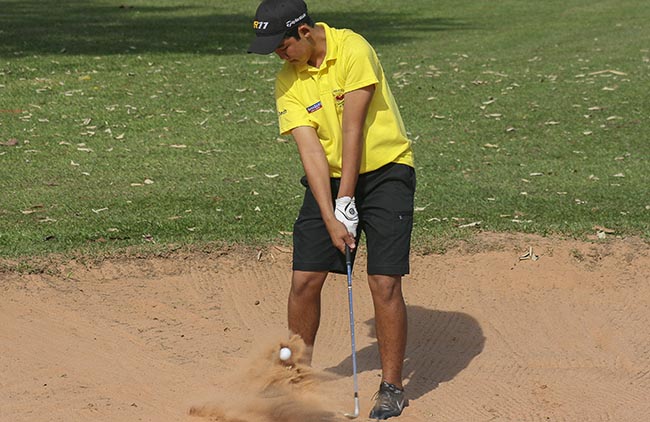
(492, 337)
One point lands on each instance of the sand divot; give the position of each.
(266, 389)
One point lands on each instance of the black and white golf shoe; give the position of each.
(389, 402)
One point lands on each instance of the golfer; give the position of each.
(333, 98)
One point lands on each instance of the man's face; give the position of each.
(294, 51)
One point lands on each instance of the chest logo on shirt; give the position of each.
(314, 107)
(339, 98)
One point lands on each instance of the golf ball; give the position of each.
(285, 353)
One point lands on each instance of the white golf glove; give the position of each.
(346, 212)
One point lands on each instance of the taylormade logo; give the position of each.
(296, 20)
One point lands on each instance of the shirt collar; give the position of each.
(330, 55)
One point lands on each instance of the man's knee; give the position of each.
(385, 288)
(307, 284)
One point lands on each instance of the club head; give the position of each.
(351, 415)
(355, 414)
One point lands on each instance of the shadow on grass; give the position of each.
(440, 346)
(78, 27)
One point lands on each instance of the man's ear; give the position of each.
(304, 31)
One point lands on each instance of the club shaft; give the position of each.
(348, 262)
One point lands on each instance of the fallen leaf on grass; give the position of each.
(604, 230)
(263, 123)
(612, 71)
(9, 143)
(32, 210)
(474, 224)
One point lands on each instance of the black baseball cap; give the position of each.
(272, 21)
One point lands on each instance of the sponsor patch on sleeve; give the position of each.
(314, 107)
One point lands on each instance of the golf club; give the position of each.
(348, 262)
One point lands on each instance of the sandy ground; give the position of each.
(492, 338)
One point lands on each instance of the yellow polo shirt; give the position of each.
(310, 96)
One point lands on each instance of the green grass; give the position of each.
(151, 123)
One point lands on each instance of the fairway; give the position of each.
(150, 127)
(147, 205)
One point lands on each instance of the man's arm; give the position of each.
(316, 168)
(355, 112)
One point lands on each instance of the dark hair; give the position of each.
(293, 32)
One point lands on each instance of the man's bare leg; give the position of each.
(390, 324)
(304, 305)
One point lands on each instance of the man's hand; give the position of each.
(346, 212)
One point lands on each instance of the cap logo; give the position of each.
(296, 20)
(260, 25)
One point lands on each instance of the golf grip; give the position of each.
(348, 262)
(348, 259)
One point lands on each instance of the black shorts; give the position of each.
(384, 200)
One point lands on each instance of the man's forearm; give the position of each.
(317, 172)
(352, 150)
(316, 168)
